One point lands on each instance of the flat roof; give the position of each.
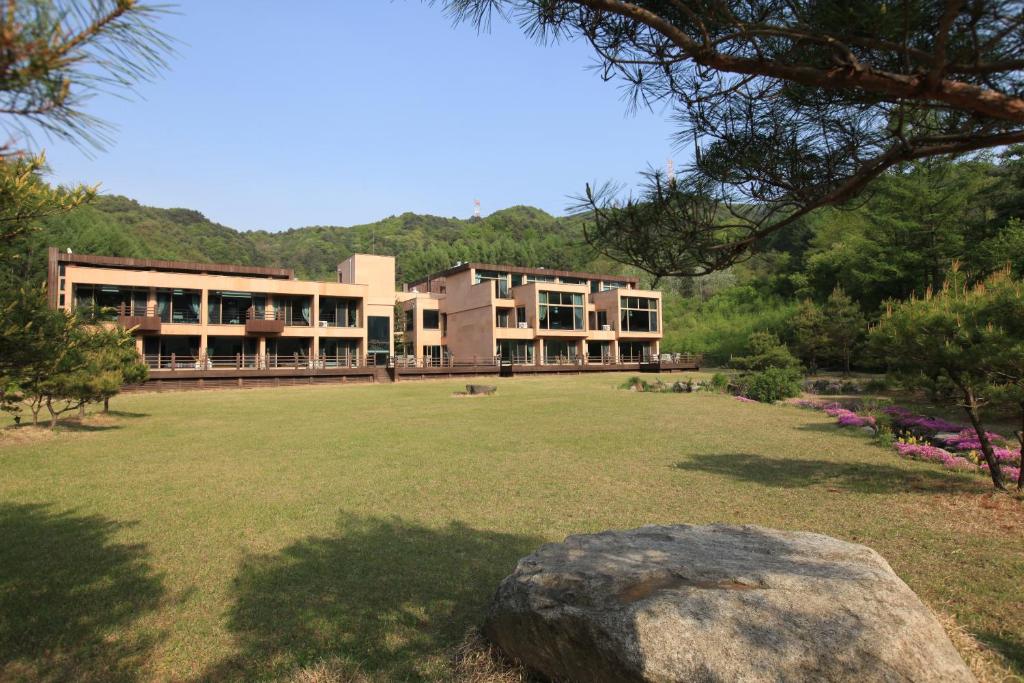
(173, 266)
(527, 271)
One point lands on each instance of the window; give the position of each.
(634, 352)
(521, 315)
(232, 308)
(410, 320)
(482, 275)
(561, 311)
(559, 351)
(602, 319)
(538, 278)
(178, 305)
(519, 351)
(503, 317)
(605, 286)
(104, 302)
(572, 281)
(338, 312)
(444, 323)
(638, 314)
(378, 338)
(294, 310)
(433, 355)
(339, 353)
(431, 320)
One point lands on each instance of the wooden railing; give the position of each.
(301, 361)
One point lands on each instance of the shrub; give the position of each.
(773, 384)
(719, 382)
(765, 351)
(876, 384)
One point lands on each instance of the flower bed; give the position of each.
(929, 439)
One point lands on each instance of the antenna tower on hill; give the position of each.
(476, 208)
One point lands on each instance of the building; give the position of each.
(209, 325)
(204, 316)
(530, 316)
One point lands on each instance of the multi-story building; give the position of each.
(530, 316)
(205, 316)
(201, 324)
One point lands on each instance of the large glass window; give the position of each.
(605, 286)
(519, 351)
(561, 311)
(635, 352)
(434, 355)
(169, 351)
(232, 308)
(106, 302)
(378, 338)
(521, 318)
(431, 319)
(178, 305)
(339, 353)
(503, 317)
(294, 310)
(482, 275)
(337, 312)
(559, 351)
(638, 314)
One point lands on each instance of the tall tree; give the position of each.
(845, 326)
(946, 336)
(790, 106)
(810, 335)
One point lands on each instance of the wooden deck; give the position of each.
(241, 377)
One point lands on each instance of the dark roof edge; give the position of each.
(172, 266)
(527, 271)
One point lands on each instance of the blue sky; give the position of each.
(339, 113)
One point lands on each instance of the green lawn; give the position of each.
(248, 534)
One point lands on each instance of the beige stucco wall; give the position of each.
(375, 293)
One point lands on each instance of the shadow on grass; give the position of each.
(854, 476)
(380, 597)
(1009, 645)
(67, 596)
(75, 425)
(124, 413)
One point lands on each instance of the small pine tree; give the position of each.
(844, 326)
(810, 334)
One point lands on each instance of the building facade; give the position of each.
(530, 316)
(204, 316)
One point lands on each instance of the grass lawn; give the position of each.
(248, 534)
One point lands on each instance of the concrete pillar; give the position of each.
(538, 352)
(314, 318)
(204, 318)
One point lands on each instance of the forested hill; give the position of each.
(119, 226)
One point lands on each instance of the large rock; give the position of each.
(717, 603)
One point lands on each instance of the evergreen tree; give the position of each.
(844, 326)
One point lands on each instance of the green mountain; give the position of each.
(119, 226)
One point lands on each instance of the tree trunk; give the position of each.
(81, 412)
(35, 406)
(1020, 461)
(846, 362)
(106, 404)
(971, 406)
(53, 415)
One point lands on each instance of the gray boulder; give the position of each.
(716, 603)
(481, 389)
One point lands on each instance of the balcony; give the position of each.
(139, 319)
(263, 322)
